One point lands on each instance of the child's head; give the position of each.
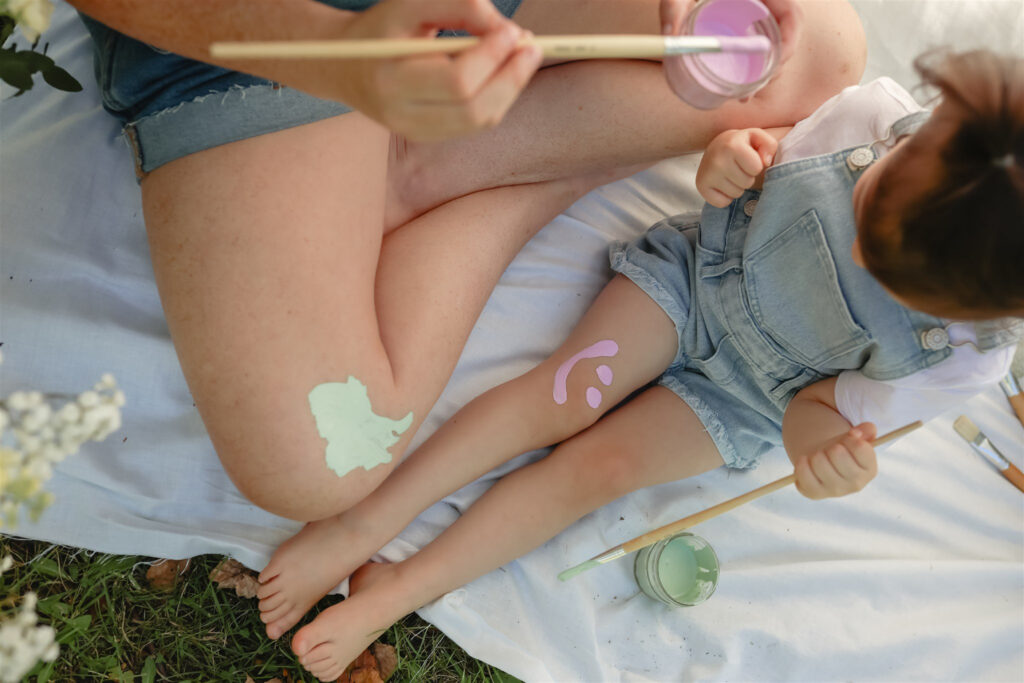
(941, 218)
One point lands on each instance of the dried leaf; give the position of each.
(365, 676)
(164, 574)
(232, 574)
(363, 670)
(387, 659)
(248, 679)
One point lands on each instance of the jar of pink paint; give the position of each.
(708, 80)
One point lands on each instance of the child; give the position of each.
(808, 314)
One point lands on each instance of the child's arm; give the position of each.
(735, 161)
(827, 465)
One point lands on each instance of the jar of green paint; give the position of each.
(680, 571)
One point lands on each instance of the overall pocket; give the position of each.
(795, 297)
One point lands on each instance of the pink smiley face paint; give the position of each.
(602, 349)
(708, 80)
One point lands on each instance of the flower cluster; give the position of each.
(31, 16)
(23, 642)
(35, 435)
(18, 67)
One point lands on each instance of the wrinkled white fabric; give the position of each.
(916, 578)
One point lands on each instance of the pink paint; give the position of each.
(602, 349)
(604, 373)
(707, 80)
(593, 397)
(729, 18)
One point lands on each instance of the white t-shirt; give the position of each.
(862, 115)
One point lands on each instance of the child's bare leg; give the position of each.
(515, 417)
(653, 439)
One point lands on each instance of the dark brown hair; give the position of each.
(961, 243)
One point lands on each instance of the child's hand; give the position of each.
(845, 465)
(732, 162)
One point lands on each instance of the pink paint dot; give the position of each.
(604, 373)
(593, 397)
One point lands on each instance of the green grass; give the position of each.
(113, 627)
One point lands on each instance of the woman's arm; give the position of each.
(827, 465)
(425, 98)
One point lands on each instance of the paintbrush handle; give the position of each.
(1018, 406)
(559, 47)
(673, 528)
(1015, 476)
(704, 515)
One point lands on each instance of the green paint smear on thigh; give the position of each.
(356, 436)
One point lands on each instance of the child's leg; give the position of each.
(653, 439)
(637, 340)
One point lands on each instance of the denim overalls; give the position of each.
(767, 302)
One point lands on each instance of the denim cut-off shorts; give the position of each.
(661, 263)
(172, 106)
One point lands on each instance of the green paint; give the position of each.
(682, 570)
(356, 436)
(578, 569)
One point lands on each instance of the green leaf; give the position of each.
(35, 61)
(47, 565)
(46, 672)
(15, 72)
(6, 28)
(73, 628)
(148, 673)
(61, 79)
(52, 606)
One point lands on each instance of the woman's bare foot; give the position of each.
(306, 567)
(338, 634)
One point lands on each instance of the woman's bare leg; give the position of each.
(653, 439)
(275, 277)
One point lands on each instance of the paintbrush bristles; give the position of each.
(966, 428)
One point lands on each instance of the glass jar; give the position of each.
(709, 79)
(680, 571)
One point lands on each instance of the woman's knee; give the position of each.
(319, 459)
(300, 485)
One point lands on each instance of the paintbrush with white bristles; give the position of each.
(981, 445)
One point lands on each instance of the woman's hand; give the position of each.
(433, 97)
(732, 164)
(787, 13)
(844, 465)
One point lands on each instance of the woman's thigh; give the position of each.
(265, 253)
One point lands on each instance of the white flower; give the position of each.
(23, 642)
(31, 16)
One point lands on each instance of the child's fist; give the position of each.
(732, 162)
(844, 465)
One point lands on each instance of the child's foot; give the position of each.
(335, 638)
(304, 569)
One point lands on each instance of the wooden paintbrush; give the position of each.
(558, 47)
(1011, 387)
(982, 446)
(686, 522)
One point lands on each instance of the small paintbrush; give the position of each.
(981, 445)
(1011, 387)
(704, 515)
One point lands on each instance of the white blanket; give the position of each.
(919, 577)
